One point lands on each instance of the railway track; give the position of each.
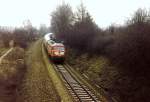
(78, 90)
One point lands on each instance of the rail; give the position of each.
(79, 91)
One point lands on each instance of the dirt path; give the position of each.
(11, 71)
(36, 86)
(5, 54)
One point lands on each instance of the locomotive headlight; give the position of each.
(56, 53)
(62, 53)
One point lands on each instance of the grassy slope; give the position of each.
(37, 86)
(95, 69)
(121, 86)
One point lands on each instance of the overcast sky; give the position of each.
(104, 12)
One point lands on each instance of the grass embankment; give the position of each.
(11, 72)
(59, 85)
(121, 86)
(37, 85)
(96, 70)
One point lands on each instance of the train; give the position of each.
(55, 48)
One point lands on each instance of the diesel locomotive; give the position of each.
(56, 49)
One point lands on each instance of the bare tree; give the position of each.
(43, 29)
(62, 20)
(5, 35)
(140, 16)
(84, 30)
(31, 31)
(82, 13)
(20, 37)
(130, 53)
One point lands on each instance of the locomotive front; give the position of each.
(56, 50)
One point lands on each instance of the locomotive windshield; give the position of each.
(60, 48)
(51, 42)
(58, 41)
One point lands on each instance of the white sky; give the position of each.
(104, 12)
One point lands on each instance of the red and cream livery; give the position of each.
(55, 49)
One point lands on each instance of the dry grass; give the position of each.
(3, 50)
(99, 73)
(11, 71)
(36, 85)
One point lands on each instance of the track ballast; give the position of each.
(79, 91)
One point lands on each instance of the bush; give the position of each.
(131, 49)
(6, 37)
(130, 53)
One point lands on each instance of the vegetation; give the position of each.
(43, 30)
(12, 69)
(3, 50)
(116, 59)
(36, 86)
(62, 20)
(5, 37)
(77, 30)
(130, 54)
(22, 36)
(122, 65)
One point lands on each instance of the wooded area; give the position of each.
(126, 47)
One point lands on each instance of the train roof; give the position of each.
(47, 36)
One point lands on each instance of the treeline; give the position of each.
(21, 36)
(78, 30)
(127, 47)
(129, 52)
